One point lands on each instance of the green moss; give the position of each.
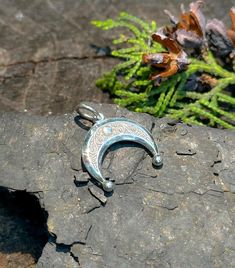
(128, 82)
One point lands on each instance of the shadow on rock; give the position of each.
(23, 232)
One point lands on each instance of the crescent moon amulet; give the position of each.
(104, 133)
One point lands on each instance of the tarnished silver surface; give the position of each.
(106, 132)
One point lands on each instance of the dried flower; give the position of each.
(189, 30)
(169, 62)
(221, 40)
(231, 31)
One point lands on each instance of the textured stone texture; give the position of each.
(181, 215)
(48, 56)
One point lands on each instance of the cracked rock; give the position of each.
(60, 258)
(178, 216)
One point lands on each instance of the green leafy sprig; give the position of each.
(128, 81)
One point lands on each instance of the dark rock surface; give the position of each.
(23, 232)
(181, 215)
(48, 59)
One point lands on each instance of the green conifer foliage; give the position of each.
(128, 81)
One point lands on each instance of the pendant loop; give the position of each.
(92, 116)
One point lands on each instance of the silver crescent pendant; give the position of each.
(106, 132)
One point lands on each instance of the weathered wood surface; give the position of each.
(181, 215)
(48, 62)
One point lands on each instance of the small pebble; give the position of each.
(98, 193)
(19, 16)
(183, 132)
(82, 177)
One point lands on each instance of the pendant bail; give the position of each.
(92, 115)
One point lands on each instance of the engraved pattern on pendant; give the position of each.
(99, 138)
